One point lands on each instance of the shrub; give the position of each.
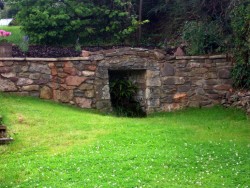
(241, 31)
(203, 38)
(63, 22)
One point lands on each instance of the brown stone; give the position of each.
(70, 70)
(46, 93)
(5, 69)
(51, 65)
(171, 107)
(179, 96)
(75, 80)
(86, 86)
(179, 52)
(159, 55)
(91, 67)
(68, 64)
(90, 93)
(30, 88)
(63, 96)
(224, 87)
(6, 85)
(83, 102)
(85, 53)
(62, 75)
(53, 71)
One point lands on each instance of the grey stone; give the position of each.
(224, 73)
(168, 70)
(6, 85)
(35, 76)
(24, 81)
(35, 67)
(105, 92)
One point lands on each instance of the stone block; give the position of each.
(173, 80)
(7, 85)
(153, 81)
(46, 93)
(30, 88)
(91, 67)
(75, 80)
(159, 55)
(24, 81)
(224, 74)
(90, 93)
(86, 86)
(83, 102)
(105, 92)
(63, 96)
(35, 76)
(167, 70)
(5, 69)
(183, 88)
(68, 64)
(98, 57)
(179, 96)
(170, 107)
(8, 75)
(35, 67)
(88, 73)
(70, 70)
(223, 87)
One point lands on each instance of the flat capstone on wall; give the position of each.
(166, 82)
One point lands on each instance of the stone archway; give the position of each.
(147, 70)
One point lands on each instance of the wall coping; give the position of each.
(99, 55)
(44, 59)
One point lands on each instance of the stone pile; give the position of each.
(238, 99)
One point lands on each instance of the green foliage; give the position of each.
(203, 38)
(122, 93)
(62, 22)
(240, 22)
(66, 147)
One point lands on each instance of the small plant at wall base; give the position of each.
(122, 93)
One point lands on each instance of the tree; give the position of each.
(63, 21)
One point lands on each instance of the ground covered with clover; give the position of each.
(62, 146)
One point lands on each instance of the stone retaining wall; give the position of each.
(166, 83)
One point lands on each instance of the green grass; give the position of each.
(16, 34)
(60, 146)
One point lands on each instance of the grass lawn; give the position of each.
(16, 36)
(61, 146)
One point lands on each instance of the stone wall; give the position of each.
(166, 83)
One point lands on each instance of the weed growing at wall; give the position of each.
(122, 93)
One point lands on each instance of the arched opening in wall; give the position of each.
(127, 92)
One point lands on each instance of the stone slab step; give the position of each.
(5, 140)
